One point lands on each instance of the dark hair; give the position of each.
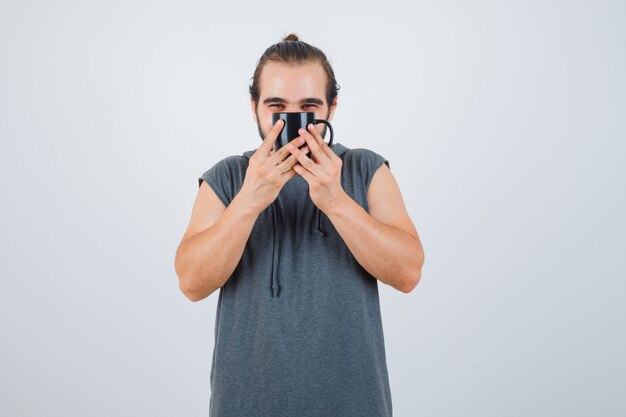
(292, 50)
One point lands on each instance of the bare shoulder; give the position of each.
(385, 201)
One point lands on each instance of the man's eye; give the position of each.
(276, 105)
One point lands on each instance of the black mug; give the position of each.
(293, 121)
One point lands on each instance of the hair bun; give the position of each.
(291, 37)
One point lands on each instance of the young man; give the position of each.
(297, 246)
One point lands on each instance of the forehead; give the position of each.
(292, 81)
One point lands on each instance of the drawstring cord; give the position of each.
(319, 223)
(275, 287)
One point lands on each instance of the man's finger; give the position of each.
(314, 144)
(307, 163)
(287, 175)
(321, 142)
(291, 160)
(268, 142)
(283, 152)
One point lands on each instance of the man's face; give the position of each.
(291, 88)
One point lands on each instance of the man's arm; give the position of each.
(384, 241)
(213, 243)
(216, 236)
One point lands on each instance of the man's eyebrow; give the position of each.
(274, 100)
(313, 100)
(309, 100)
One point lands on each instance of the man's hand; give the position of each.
(268, 171)
(322, 171)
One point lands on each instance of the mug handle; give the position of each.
(327, 123)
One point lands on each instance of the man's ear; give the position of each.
(331, 110)
(253, 107)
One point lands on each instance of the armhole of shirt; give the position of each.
(219, 179)
(373, 161)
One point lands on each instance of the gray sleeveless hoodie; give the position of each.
(298, 329)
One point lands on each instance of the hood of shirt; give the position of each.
(339, 150)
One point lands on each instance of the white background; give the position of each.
(504, 124)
